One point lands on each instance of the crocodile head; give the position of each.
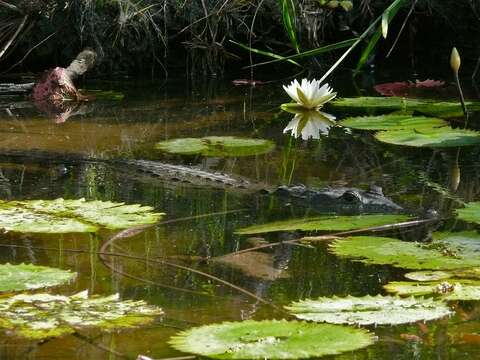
(341, 198)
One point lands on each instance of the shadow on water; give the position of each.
(42, 159)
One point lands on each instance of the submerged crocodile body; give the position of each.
(324, 199)
(327, 198)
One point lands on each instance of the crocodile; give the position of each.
(323, 199)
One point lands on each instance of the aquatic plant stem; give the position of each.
(460, 92)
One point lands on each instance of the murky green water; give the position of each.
(202, 220)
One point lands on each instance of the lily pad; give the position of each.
(378, 310)
(270, 339)
(440, 255)
(377, 104)
(470, 213)
(392, 122)
(217, 146)
(28, 277)
(447, 290)
(65, 216)
(432, 138)
(326, 223)
(40, 316)
(469, 273)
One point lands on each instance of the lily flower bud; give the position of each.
(455, 61)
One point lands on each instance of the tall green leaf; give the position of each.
(386, 18)
(265, 53)
(288, 17)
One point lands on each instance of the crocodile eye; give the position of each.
(351, 196)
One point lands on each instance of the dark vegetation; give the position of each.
(151, 36)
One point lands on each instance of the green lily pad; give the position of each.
(378, 310)
(428, 275)
(470, 213)
(270, 339)
(463, 289)
(440, 255)
(377, 104)
(40, 316)
(469, 273)
(327, 223)
(432, 138)
(28, 277)
(216, 146)
(392, 122)
(65, 216)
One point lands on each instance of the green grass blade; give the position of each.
(309, 53)
(386, 17)
(265, 53)
(288, 17)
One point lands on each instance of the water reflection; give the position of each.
(310, 124)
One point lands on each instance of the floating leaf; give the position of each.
(470, 213)
(382, 250)
(376, 103)
(443, 109)
(328, 223)
(378, 310)
(428, 275)
(216, 146)
(392, 122)
(447, 290)
(40, 316)
(270, 339)
(469, 273)
(28, 277)
(63, 216)
(433, 138)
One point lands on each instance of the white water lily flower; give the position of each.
(309, 94)
(310, 124)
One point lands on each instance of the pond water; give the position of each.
(43, 157)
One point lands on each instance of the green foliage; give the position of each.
(64, 216)
(28, 277)
(446, 290)
(338, 223)
(431, 138)
(470, 213)
(451, 252)
(392, 122)
(41, 316)
(377, 310)
(216, 146)
(270, 339)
